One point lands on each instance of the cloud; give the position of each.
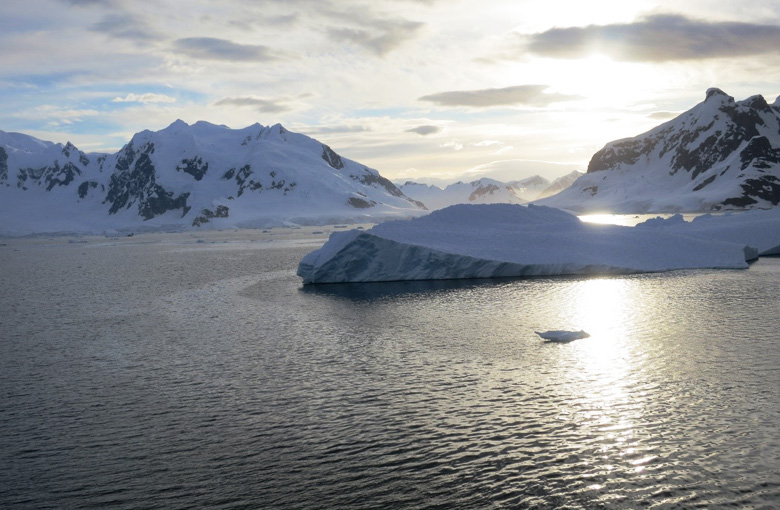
(260, 104)
(526, 95)
(663, 115)
(57, 115)
(126, 26)
(452, 144)
(211, 48)
(147, 98)
(381, 36)
(424, 130)
(286, 21)
(657, 38)
(343, 128)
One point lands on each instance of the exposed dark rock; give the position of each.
(705, 182)
(229, 174)
(61, 176)
(84, 187)
(760, 153)
(360, 203)
(369, 179)
(244, 182)
(48, 176)
(68, 148)
(330, 157)
(482, 191)
(766, 187)
(195, 167)
(207, 215)
(135, 181)
(159, 201)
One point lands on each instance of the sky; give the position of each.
(425, 90)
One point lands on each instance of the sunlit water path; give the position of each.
(162, 372)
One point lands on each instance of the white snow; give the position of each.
(498, 240)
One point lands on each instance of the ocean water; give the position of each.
(195, 371)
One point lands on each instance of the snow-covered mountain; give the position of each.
(722, 154)
(559, 184)
(480, 191)
(530, 188)
(189, 176)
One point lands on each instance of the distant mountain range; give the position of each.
(487, 191)
(720, 155)
(185, 176)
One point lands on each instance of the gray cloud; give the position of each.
(343, 128)
(381, 35)
(527, 95)
(281, 21)
(211, 48)
(663, 115)
(260, 104)
(658, 38)
(424, 130)
(126, 26)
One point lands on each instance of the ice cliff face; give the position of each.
(721, 154)
(190, 175)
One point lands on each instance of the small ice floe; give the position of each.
(560, 335)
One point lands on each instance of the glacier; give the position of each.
(505, 240)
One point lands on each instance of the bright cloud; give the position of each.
(148, 98)
(525, 95)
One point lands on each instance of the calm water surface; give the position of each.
(163, 372)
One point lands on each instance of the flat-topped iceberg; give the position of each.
(757, 228)
(499, 240)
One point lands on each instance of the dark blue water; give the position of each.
(160, 373)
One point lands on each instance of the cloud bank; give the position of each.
(525, 95)
(657, 38)
(211, 48)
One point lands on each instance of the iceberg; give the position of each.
(758, 228)
(562, 336)
(505, 240)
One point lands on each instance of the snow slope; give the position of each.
(719, 155)
(559, 184)
(189, 176)
(483, 241)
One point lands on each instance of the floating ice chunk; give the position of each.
(498, 240)
(560, 335)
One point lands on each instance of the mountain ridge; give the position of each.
(186, 176)
(721, 154)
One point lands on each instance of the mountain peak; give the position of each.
(177, 124)
(715, 92)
